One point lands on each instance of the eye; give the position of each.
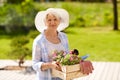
(55, 19)
(49, 19)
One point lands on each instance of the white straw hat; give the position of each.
(40, 17)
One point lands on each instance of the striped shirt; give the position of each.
(40, 55)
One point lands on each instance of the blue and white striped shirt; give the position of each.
(40, 55)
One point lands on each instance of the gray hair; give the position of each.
(53, 13)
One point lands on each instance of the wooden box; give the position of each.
(68, 72)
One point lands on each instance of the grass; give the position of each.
(102, 43)
(4, 48)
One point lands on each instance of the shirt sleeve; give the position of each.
(36, 57)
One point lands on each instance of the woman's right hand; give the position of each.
(55, 65)
(52, 65)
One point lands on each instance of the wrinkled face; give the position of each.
(52, 21)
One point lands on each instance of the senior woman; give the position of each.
(50, 23)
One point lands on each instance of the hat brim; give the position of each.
(39, 19)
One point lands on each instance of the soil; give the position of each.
(13, 68)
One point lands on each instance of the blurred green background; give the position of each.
(90, 30)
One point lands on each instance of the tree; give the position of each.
(115, 14)
(14, 1)
(19, 49)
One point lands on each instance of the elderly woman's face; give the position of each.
(52, 21)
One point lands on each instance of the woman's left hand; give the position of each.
(86, 67)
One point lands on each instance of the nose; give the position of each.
(52, 22)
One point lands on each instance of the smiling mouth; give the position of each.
(53, 25)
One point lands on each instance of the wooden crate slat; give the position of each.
(71, 68)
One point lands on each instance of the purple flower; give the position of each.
(71, 58)
(64, 54)
(71, 52)
(54, 54)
